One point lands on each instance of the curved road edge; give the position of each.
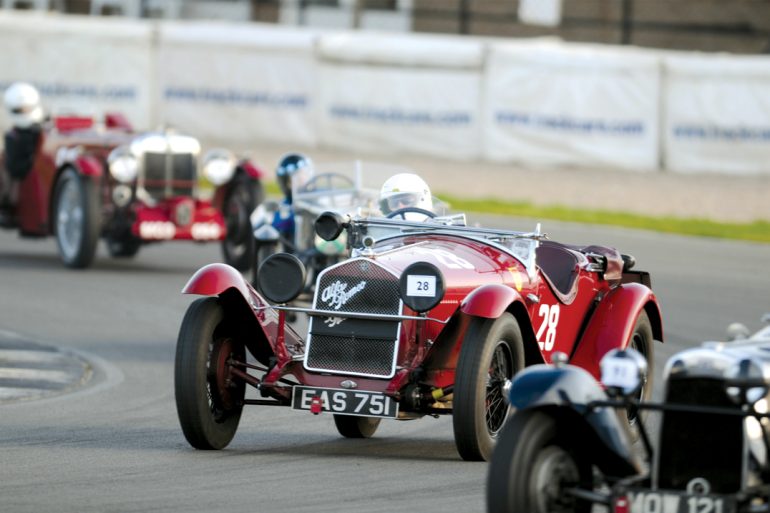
(31, 370)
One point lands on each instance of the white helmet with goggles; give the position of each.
(22, 101)
(405, 190)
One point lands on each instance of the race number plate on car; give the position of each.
(647, 501)
(346, 402)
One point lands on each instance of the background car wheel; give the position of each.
(126, 247)
(356, 427)
(240, 201)
(492, 352)
(642, 340)
(532, 465)
(209, 401)
(76, 222)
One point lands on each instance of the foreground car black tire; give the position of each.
(492, 352)
(77, 212)
(241, 200)
(356, 427)
(642, 340)
(532, 466)
(209, 401)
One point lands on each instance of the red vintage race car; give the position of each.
(87, 180)
(425, 318)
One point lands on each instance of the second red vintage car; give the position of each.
(89, 179)
(426, 318)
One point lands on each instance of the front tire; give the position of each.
(209, 401)
(241, 200)
(532, 465)
(492, 352)
(356, 427)
(77, 212)
(643, 341)
(125, 247)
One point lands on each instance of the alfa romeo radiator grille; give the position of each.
(365, 347)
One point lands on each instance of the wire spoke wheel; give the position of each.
(491, 354)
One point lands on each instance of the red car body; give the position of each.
(158, 205)
(504, 300)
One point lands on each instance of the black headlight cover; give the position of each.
(421, 286)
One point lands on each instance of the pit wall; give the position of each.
(536, 102)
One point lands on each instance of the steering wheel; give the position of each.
(327, 182)
(401, 212)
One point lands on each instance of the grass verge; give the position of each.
(757, 231)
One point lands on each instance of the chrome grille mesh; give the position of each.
(355, 346)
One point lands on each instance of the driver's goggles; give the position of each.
(402, 200)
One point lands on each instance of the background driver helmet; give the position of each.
(22, 101)
(289, 166)
(405, 190)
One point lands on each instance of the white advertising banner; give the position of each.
(415, 95)
(577, 105)
(238, 84)
(717, 114)
(80, 64)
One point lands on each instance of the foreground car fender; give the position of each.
(563, 394)
(214, 279)
(489, 301)
(221, 280)
(613, 322)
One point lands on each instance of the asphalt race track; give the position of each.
(114, 444)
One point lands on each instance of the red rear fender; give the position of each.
(613, 322)
(489, 301)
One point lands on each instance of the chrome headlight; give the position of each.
(123, 165)
(623, 371)
(745, 383)
(218, 166)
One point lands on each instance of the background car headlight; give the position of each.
(123, 165)
(218, 166)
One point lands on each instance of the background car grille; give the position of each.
(169, 174)
(703, 445)
(355, 346)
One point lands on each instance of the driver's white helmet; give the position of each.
(405, 190)
(22, 101)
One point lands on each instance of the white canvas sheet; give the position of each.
(80, 65)
(416, 95)
(553, 104)
(717, 114)
(238, 84)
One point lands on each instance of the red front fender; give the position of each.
(489, 301)
(89, 166)
(214, 279)
(613, 322)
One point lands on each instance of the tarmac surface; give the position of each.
(29, 370)
(730, 198)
